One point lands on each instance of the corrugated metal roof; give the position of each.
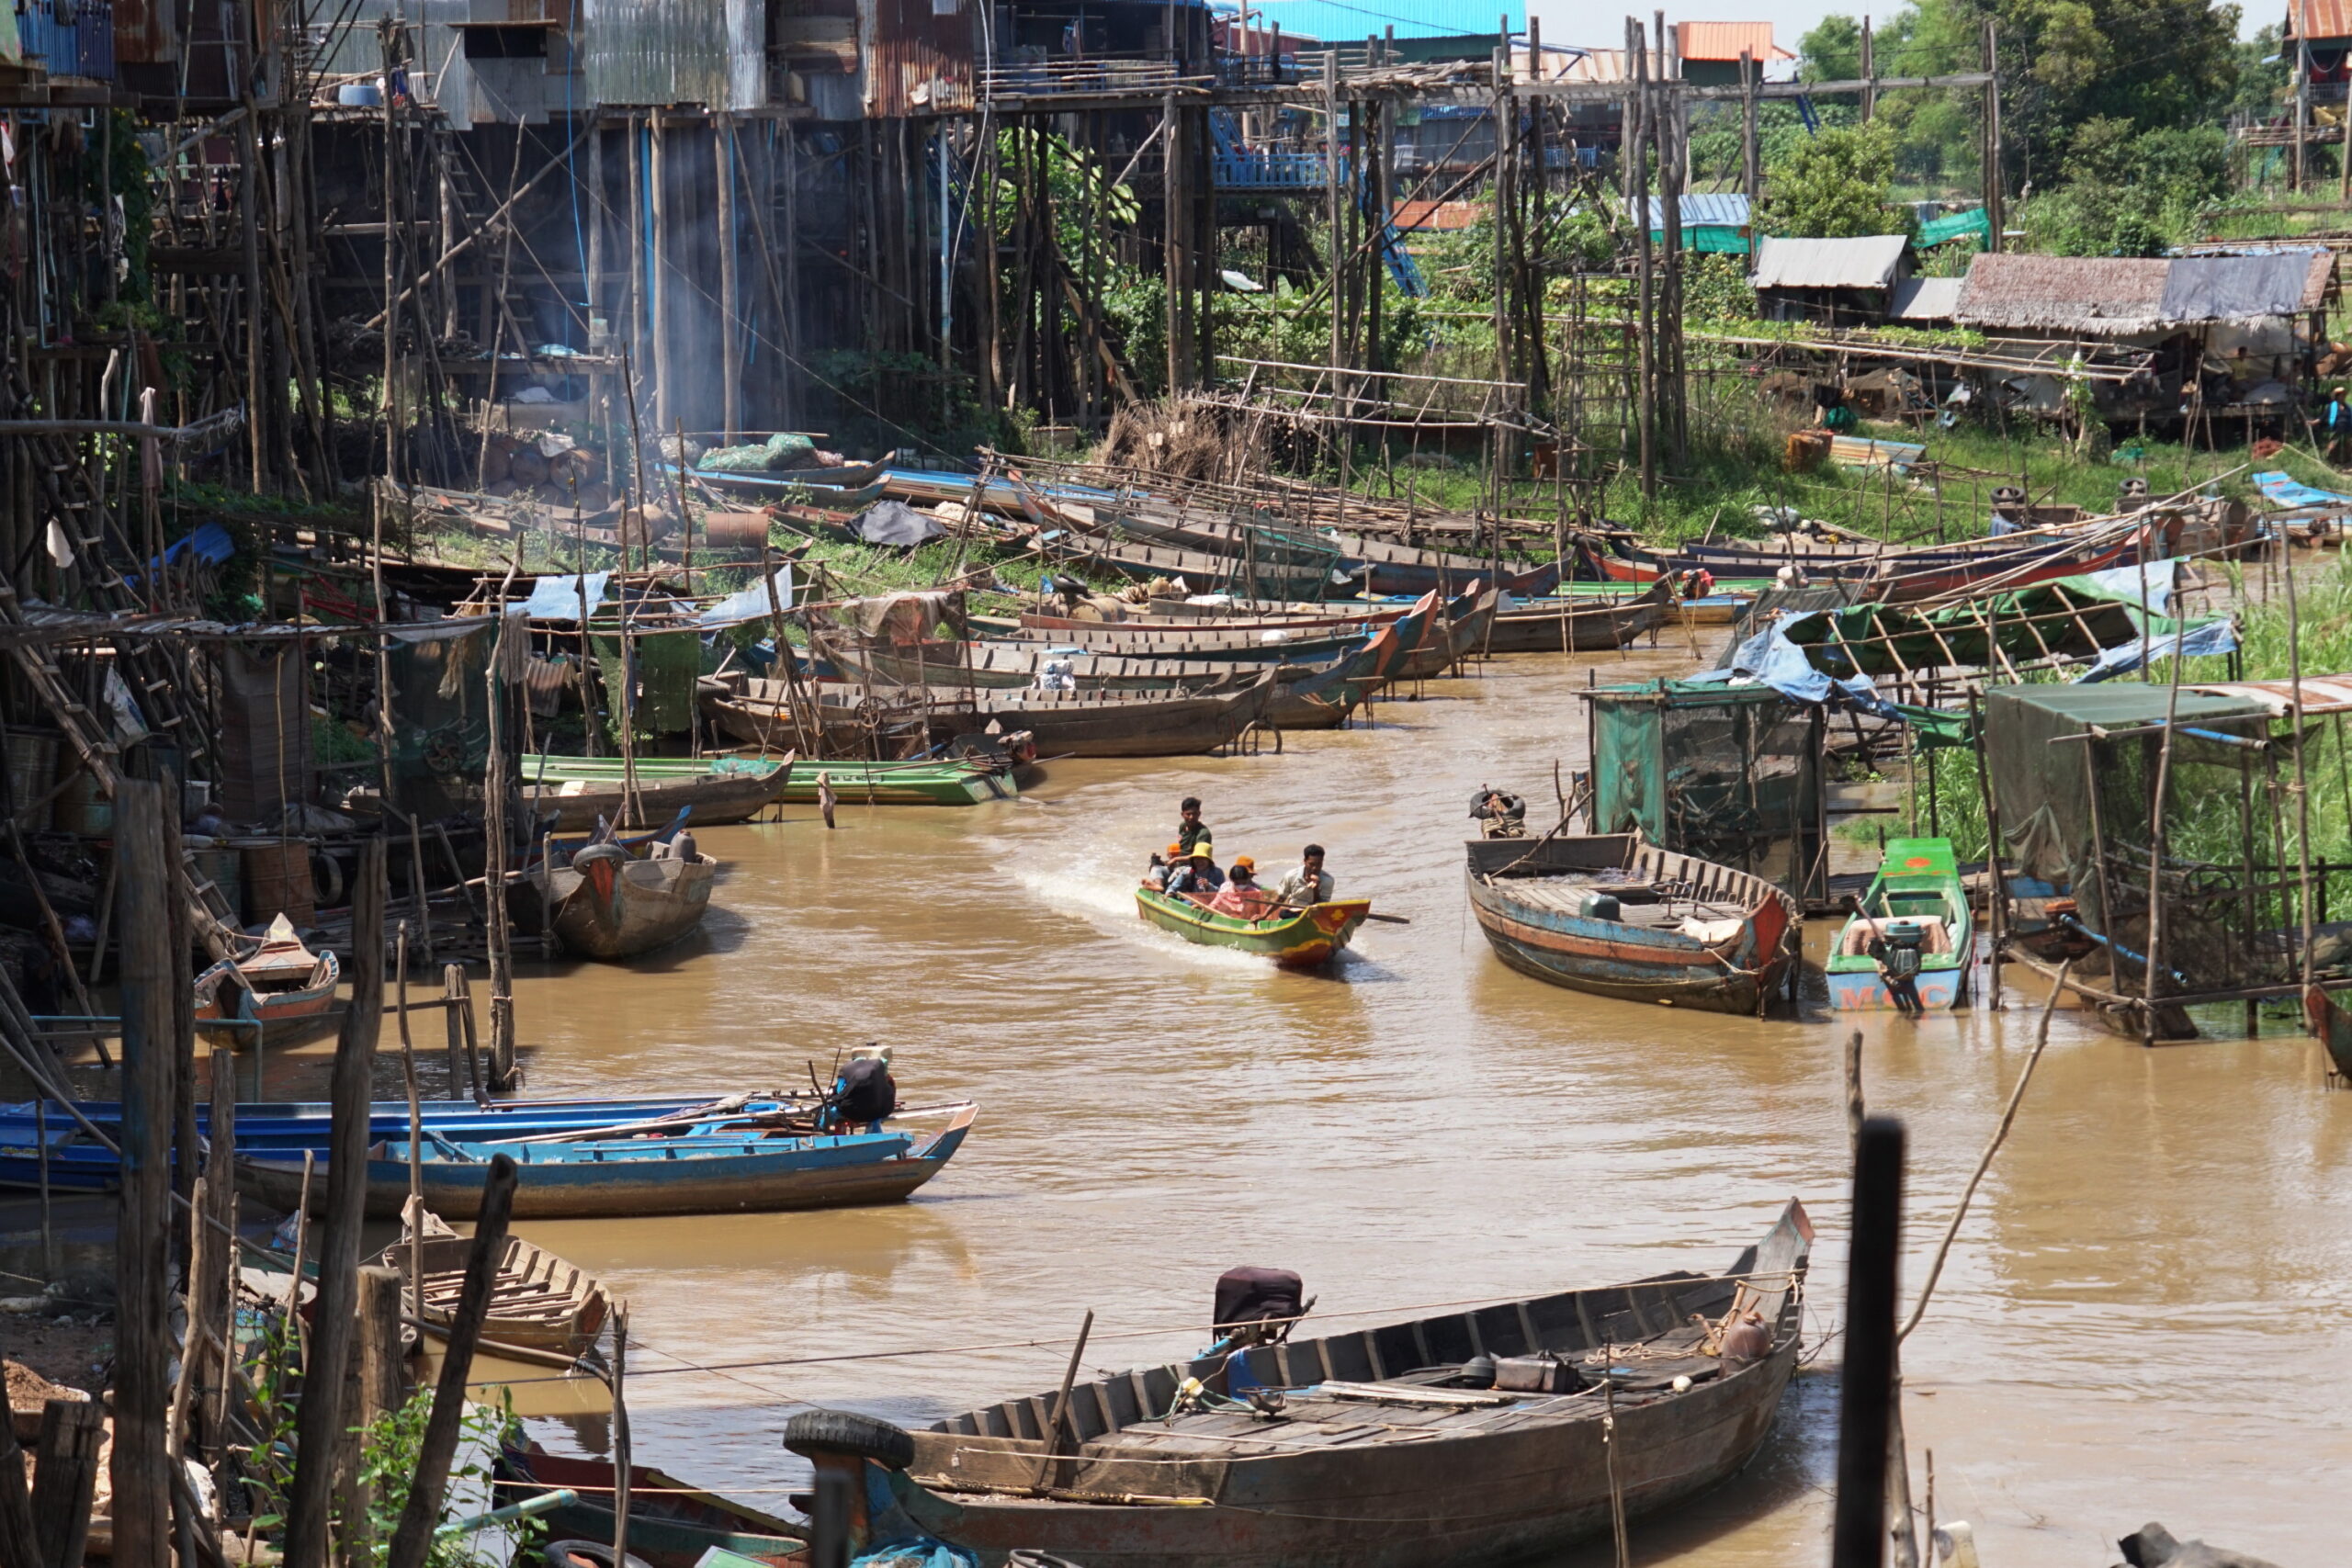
(2321, 694)
(2320, 19)
(1924, 300)
(1869, 262)
(2238, 289)
(1725, 210)
(657, 53)
(917, 58)
(2104, 296)
(1349, 21)
(1439, 217)
(1724, 40)
(1598, 65)
(2125, 296)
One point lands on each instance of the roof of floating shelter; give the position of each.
(1869, 262)
(2121, 295)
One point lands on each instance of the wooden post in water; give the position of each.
(422, 1515)
(152, 973)
(621, 1459)
(19, 1542)
(730, 341)
(320, 1422)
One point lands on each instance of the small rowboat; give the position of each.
(609, 904)
(716, 1169)
(1389, 1446)
(284, 988)
(1295, 939)
(671, 1524)
(2332, 1026)
(1917, 900)
(537, 1300)
(1610, 915)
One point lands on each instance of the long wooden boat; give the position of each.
(1234, 615)
(927, 781)
(2017, 560)
(1405, 569)
(1420, 632)
(1613, 916)
(1295, 939)
(283, 992)
(1579, 624)
(1203, 573)
(716, 1171)
(78, 1162)
(537, 1300)
(1915, 899)
(1226, 644)
(1387, 1446)
(581, 790)
(1454, 634)
(671, 1524)
(1109, 724)
(1177, 529)
(1325, 699)
(609, 905)
(757, 710)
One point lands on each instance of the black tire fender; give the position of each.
(584, 1554)
(813, 1432)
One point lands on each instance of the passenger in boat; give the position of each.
(1190, 829)
(1198, 878)
(1310, 884)
(1155, 875)
(1896, 952)
(1240, 896)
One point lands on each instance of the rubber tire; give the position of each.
(847, 1432)
(584, 1554)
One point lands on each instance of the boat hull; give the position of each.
(1625, 961)
(902, 783)
(717, 798)
(1580, 627)
(611, 909)
(587, 1190)
(1150, 1487)
(1312, 937)
(1854, 992)
(671, 1524)
(1129, 723)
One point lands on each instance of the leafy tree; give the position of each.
(1834, 185)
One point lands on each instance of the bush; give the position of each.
(1834, 185)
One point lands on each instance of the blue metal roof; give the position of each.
(1349, 21)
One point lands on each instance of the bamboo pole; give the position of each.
(319, 1423)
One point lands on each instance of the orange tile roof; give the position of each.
(1724, 40)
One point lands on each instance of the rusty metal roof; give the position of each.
(1724, 40)
(2320, 18)
(2322, 694)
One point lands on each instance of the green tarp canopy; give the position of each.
(1718, 239)
(1975, 221)
(2073, 618)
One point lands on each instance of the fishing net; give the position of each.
(1731, 777)
(2080, 815)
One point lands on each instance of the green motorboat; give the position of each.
(950, 781)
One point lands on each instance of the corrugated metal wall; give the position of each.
(143, 34)
(660, 53)
(918, 57)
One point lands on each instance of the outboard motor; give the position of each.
(1499, 813)
(866, 1092)
(2133, 495)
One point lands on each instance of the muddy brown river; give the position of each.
(2145, 1316)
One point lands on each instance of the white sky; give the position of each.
(1604, 26)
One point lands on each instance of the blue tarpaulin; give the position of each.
(558, 598)
(2284, 490)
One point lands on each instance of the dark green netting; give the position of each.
(440, 723)
(1730, 774)
(663, 668)
(2080, 816)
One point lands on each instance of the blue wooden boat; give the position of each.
(1916, 902)
(285, 1128)
(715, 1169)
(1615, 916)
